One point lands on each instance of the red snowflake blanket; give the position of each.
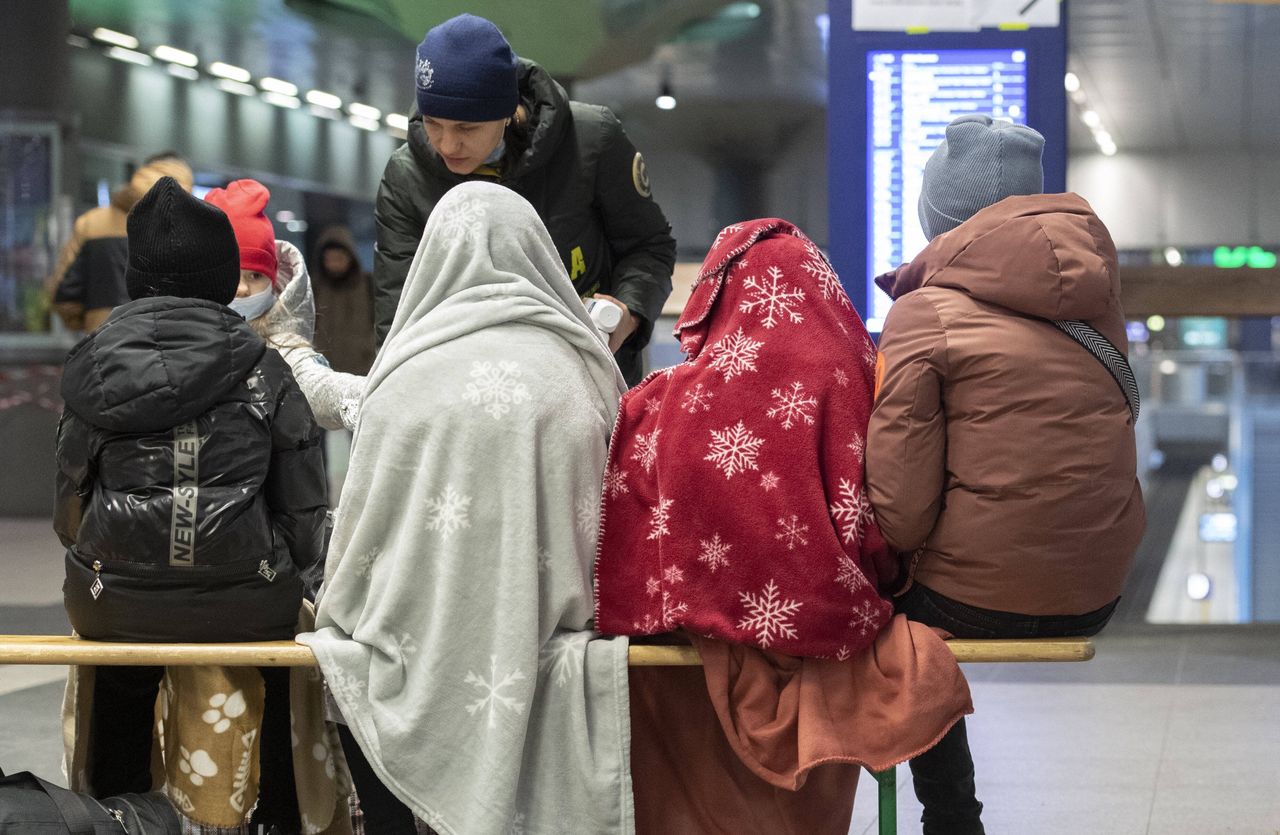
(733, 500)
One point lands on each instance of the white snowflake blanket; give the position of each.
(453, 624)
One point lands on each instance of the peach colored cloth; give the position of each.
(736, 748)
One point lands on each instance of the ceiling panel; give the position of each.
(1164, 75)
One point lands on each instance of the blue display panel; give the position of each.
(890, 95)
(912, 96)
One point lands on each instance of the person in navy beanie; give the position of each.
(484, 113)
(191, 494)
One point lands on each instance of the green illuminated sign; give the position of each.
(1232, 257)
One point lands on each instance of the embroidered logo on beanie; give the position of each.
(425, 74)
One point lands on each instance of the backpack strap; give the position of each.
(1104, 352)
(71, 808)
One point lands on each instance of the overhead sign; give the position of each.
(953, 15)
(892, 94)
(912, 96)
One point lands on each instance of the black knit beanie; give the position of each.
(180, 246)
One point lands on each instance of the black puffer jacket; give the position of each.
(577, 167)
(190, 471)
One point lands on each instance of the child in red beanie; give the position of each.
(274, 297)
(245, 203)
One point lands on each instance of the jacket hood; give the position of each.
(528, 147)
(340, 237)
(1045, 255)
(147, 176)
(158, 362)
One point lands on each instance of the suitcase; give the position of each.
(31, 806)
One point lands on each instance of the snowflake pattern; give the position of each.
(852, 512)
(768, 615)
(646, 449)
(850, 575)
(496, 387)
(735, 355)
(659, 515)
(773, 297)
(648, 626)
(671, 612)
(866, 617)
(842, 378)
(517, 825)
(652, 405)
(859, 447)
(769, 481)
(448, 512)
(344, 686)
(464, 221)
(652, 586)
(491, 689)
(792, 405)
(673, 574)
(734, 449)
(843, 654)
(792, 531)
(363, 564)
(697, 398)
(615, 481)
(402, 644)
(559, 658)
(725, 232)
(586, 514)
(714, 552)
(819, 267)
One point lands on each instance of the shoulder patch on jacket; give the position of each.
(640, 176)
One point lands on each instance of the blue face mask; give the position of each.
(251, 307)
(497, 152)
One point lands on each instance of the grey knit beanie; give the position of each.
(981, 162)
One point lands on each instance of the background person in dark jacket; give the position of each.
(89, 278)
(190, 487)
(1001, 456)
(344, 303)
(487, 114)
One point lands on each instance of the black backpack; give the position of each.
(31, 806)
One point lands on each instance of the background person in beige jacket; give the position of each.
(1000, 458)
(88, 281)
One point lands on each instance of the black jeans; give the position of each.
(382, 811)
(122, 723)
(943, 775)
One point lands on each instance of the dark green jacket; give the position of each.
(577, 167)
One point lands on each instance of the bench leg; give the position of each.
(887, 781)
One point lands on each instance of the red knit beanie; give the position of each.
(245, 202)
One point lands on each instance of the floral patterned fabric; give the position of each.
(734, 503)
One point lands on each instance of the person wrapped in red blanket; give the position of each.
(734, 510)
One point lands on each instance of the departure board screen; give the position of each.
(911, 97)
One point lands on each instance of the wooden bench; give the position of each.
(54, 649)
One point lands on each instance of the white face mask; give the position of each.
(251, 307)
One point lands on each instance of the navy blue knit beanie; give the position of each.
(466, 71)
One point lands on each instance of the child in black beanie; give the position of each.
(191, 493)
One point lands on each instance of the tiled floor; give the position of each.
(1170, 730)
